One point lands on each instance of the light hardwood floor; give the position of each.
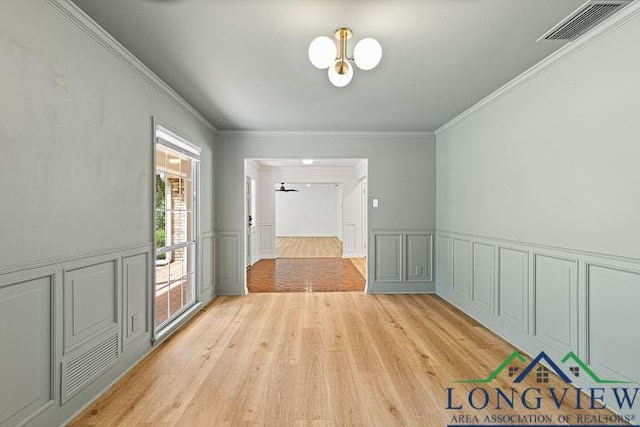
(297, 359)
(361, 265)
(308, 247)
(315, 247)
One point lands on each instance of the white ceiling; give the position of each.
(243, 63)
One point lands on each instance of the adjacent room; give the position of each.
(306, 225)
(319, 213)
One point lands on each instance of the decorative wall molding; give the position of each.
(556, 308)
(90, 295)
(26, 319)
(230, 262)
(79, 258)
(483, 276)
(267, 240)
(78, 309)
(462, 267)
(349, 239)
(387, 255)
(256, 253)
(626, 15)
(444, 269)
(401, 261)
(79, 18)
(559, 300)
(513, 287)
(612, 293)
(419, 259)
(559, 249)
(136, 296)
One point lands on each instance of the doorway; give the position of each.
(310, 227)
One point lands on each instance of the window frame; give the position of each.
(168, 139)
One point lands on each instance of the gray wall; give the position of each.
(554, 161)
(538, 207)
(75, 190)
(401, 175)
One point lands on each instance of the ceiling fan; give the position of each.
(286, 190)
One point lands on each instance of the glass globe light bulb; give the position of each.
(340, 74)
(367, 53)
(322, 52)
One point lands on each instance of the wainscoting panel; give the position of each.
(613, 345)
(554, 300)
(349, 238)
(230, 263)
(445, 261)
(419, 257)
(90, 295)
(267, 241)
(256, 252)
(483, 276)
(513, 287)
(388, 258)
(135, 289)
(65, 335)
(26, 349)
(207, 262)
(462, 267)
(556, 296)
(402, 261)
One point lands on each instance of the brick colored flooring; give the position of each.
(304, 275)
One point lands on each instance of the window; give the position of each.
(175, 226)
(542, 374)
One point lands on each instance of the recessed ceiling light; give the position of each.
(308, 185)
(307, 161)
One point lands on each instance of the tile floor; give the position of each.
(304, 275)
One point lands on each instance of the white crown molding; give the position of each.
(76, 15)
(330, 133)
(621, 18)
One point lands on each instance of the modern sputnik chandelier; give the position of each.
(323, 53)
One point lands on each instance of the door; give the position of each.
(249, 208)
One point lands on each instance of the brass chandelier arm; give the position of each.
(342, 35)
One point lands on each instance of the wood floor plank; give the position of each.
(361, 265)
(309, 359)
(308, 247)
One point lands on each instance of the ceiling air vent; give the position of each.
(584, 18)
